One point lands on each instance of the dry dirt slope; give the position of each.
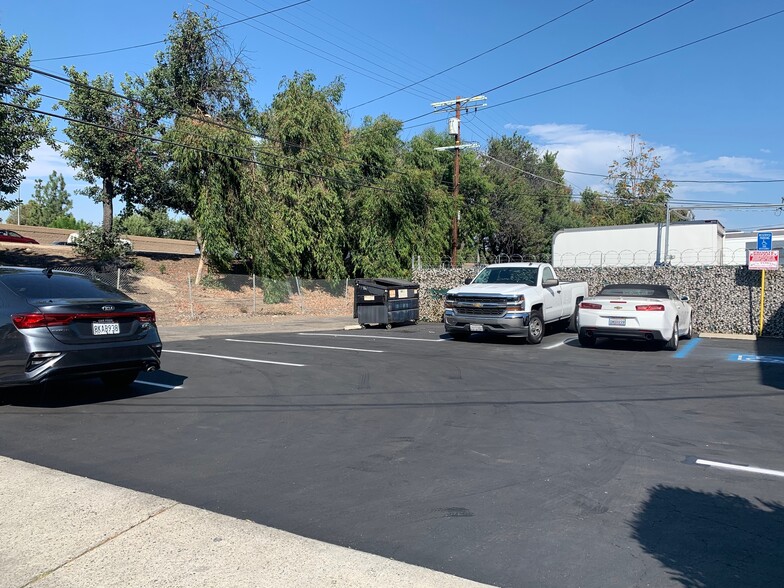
(163, 284)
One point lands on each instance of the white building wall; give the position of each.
(690, 243)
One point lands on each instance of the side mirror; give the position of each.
(468, 280)
(551, 283)
(685, 298)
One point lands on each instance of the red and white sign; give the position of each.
(763, 260)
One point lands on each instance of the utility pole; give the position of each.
(454, 130)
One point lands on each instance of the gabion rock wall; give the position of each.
(725, 299)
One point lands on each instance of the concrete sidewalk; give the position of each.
(63, 531)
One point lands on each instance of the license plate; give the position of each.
(617, 322)
(367, 298)
(106, 328)
(479, 328)
(402, 293)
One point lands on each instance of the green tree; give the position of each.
(51, 203)
(20, 130)
(197, 98)
(530, 200)
(157, 223)
(639, 191)
(108, 152)
(300, 191)
(405, 213)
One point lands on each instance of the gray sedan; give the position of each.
(56, 324)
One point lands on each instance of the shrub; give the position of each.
(93, 243)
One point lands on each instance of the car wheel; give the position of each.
(688, 334)
(672, 344)
(572, 326)
(119, 379)
(535, 328)
(586, 341)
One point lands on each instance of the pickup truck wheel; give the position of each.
(535, 328)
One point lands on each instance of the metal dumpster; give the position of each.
(385, 301)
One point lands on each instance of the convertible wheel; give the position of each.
(672, 344)
(586, 341)
(535, 328)
(688, 333)
(572, 326)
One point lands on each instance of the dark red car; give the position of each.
(14, 237)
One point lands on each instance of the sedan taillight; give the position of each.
(32, 320)
(656, 307)
(146, 317)
(590, 305)
(38, 319)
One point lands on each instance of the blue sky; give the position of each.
(713, 110)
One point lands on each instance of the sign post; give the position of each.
(763, 258)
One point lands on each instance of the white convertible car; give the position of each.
(644, 312)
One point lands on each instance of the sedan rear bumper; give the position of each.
(86, 362)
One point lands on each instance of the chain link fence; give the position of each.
(178, 299)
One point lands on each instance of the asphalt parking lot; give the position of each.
(490, 459)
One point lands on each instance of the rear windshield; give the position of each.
(40, 287)
(632, 292)
(507, 275)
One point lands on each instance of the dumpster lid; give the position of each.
(388, 282)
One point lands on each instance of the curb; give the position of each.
(737, 337)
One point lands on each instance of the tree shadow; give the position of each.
(79, 392)
(712, 539)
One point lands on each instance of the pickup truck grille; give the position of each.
(498, 311)
(471, 300)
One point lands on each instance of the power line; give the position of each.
(188, 116)
(561, 184)
(599, 44)
(355, 54)
(477, 56)
(194, 148)
(573, 55)
(320, 53)
(164, 40)
(604, 176)
(637, 62)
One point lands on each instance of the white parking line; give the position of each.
(235, 358)
(369, 337)
(750, 469)
(303, 345)
(167, 386)
(564, 342)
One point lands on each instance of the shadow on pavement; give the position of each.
(712, 539)
(771, 371)
(88, 391)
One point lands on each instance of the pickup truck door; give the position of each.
(553, 297)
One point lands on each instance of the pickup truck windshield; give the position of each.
(507, 275)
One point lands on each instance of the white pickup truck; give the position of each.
(511, 299)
